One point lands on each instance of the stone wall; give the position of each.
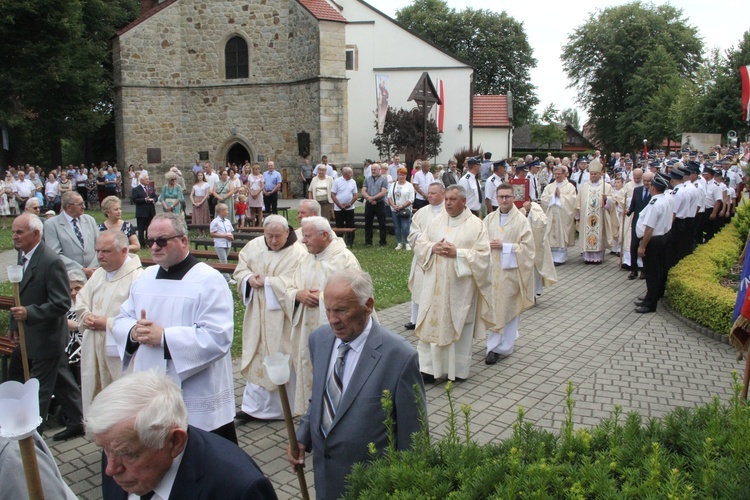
(170, 91)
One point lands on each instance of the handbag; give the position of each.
(405, 212)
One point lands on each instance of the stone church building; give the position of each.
(230, 80)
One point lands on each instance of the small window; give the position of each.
(235, 56)
(351, 58)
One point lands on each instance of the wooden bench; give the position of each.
(340, 231)
(210, 254)
(239, 242)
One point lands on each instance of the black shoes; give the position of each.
(410, 326)
(427, 378)
(644, 310)
(491, 358)
(69, 433)
(633, 275)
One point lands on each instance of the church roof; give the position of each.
(490, 111)
(322, 10)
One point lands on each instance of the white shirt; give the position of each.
(490, 189)
(469, 183)
(28, 256)
(222, 226)
(329, 170)
(345, 191)
(681, 202)
(24, 188)
(352, 356)
(656, 215)
(423, 181)
(164, 488)
(212, 178)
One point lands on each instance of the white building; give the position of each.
(378, 46)
(492, 126)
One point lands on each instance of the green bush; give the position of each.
(693, 284)
(690, 453)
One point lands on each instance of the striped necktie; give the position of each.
(77, 230)
(334, 389)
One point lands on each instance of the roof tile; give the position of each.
(491, 111)
(322, 10)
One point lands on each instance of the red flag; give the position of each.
(440, 107)
(745, 75)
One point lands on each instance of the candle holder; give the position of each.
(15, 274)
(19, 417)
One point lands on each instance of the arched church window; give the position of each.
(235, 57)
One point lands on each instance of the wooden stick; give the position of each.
(622, 229)
(746, 380)
(293, 440)
(30, 468)
(21, 335)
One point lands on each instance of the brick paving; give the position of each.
(583, 330)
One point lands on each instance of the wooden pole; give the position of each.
(746, 380)
(293, 440)
(21, 335)
(26, 445)
(622, 230)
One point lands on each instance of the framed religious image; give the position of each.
(520, 191)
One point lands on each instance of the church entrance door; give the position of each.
(238, 154)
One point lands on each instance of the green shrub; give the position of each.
(691, 453)
(693, 284)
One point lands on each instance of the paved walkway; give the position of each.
(583, 330)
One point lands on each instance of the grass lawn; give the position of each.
(389, 270)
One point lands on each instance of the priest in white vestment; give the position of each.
(455, 303)
(512, 271)
(97, 305)
(544, 267)
(595, 211)
(419, 222)
(636, 180)
(179, 319)
(559, 203)
(301, 296)
(266, 329)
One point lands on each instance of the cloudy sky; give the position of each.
(549, 22)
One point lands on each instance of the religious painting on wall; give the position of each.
(382, 86)
(520, 191)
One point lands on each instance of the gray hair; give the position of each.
(320, 224)
(456, 187)
(34, 222)
(152, 398)
(77, 276)
(170, 176)
(312, 205)
(275, 220)
(178, 223)
(109, 202)
(68, 198)
(438, 184)
(347, 170)
(142, 176)
(119, 239)
(359, 280)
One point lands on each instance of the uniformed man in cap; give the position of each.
(653, 225)
(581, 177)
(684, 216)
(535, 191)
(694, 169)
(470, 182)
(712, 203)
(493, 182)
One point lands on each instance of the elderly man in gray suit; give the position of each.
(354, 360)
(72, 235)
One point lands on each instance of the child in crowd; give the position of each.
(240, 210)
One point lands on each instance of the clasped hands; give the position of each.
(146, 332)
(256, 281)
(444, 249)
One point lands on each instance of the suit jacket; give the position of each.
(44, 291)
(637, 205)
(211, 468)
(143, 208)
(387, 361)
(62, 239)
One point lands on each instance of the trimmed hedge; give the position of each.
(693, 285)
(701, 452)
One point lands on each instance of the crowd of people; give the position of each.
(485, 242)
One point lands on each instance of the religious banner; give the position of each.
(382, 85)
(742, 288)
(593, 224)
(440, 107)
(745, 76)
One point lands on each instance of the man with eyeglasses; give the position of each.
(512, 252)
(32, 206)
(179, 319)
(72, 235)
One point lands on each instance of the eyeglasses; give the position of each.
(504, 197)
(161, 242)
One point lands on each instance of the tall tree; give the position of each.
(548, 131)
(605, 53)
(494, 43)
(55, 76)
(569, 116)
(403, 133)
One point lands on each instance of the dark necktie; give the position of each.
(148, 496)
(77, 230)
(334, 389)
(536, 191)
(23, 260)
(479, 190)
